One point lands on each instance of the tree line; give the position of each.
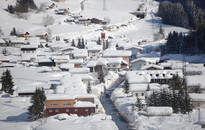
(178, 43)
(184, 13)
(22, 6)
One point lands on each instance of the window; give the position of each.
(50, 110)
(75, 110)
(136, 94)
(67, 110)
(53, 104)
(66, 104)
(142, 94)
(86, 109)
(56, 110)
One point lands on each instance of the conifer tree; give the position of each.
(13, 32)
(7, 83)
(89, 90)
(36, 110)
(23, 6)
(73, 43)
(98, 41)
(139, 104)
(126, 87)
(101, 76)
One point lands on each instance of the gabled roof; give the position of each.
(116, 53)
(152, 66)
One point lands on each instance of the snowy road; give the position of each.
(111, 109)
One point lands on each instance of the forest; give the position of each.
(189, 14)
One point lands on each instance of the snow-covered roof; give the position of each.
(79, 70)
(196, 80)
(146, 59)
(84, 104)
(17, 40)
(80, 53)
(67, 66)
(76, 61)
(200, 97)
(152, 65)
(143, 87)
(147, 75)
(65, 57)
(116, 53)
(30, 88)
(159, 111)
(83, 76)
(29, 46)
(44, 59)
(133, 78)
(91, 63)
(93, 47)
(67, 96)
(2, 41)
(133, 47)
(114, 60)
(28, 56)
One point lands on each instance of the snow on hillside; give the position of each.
(117, 12)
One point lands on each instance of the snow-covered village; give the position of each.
(102, 64)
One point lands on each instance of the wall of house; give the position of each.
(77, 65)
(138, 94)
(137, 65)
(60, 103)
(81, 111)
(93, 54)
(127, 59)
(59, 63)
(198, 104)
(85, 99)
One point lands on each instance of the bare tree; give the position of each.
(48, 20)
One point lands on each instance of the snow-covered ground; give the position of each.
(131, 31)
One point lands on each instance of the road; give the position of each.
(110, 109)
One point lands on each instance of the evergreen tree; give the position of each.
(176, 83)
(36, 110)
(23, 6)
(89, 90)
(7, 83)
(126, 87)
(99, 41)
(139, 104)
(11, 9)
(13, 32)
(101, 76)
(73, 43)
(79, 44)
(82, 43)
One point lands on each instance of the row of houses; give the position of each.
(150, 73)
